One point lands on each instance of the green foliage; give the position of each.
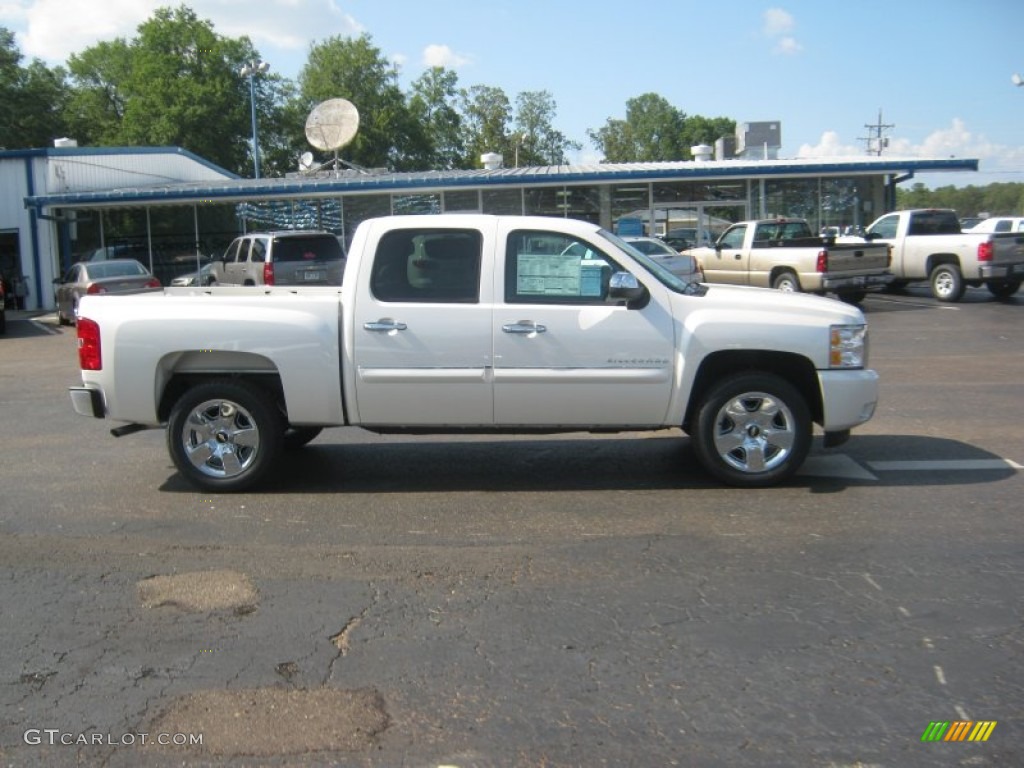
(431, 103)
(655, 131)
(32, 99)
(1002, 199)
(356, 70)
(177, 83)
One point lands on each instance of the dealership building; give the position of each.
(172, 208)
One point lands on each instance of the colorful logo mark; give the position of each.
(958, 730)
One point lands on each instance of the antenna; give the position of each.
(878, 142)
(331, 125)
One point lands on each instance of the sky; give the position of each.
(938, 72)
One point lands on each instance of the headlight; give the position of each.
(848, 346)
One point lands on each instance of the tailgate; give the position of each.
(858, 258)
(1008, 248)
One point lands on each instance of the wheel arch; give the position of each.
(180, 371)
(938, 259)
(796, 369)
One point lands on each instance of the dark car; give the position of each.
(99, 277)
(3, 305)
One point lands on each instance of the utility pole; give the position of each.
(876, 142)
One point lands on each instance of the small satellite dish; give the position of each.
(332, 124)
(306, 161)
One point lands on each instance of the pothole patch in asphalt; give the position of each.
(263, 722)
(200, 591)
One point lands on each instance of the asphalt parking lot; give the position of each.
(561, 601)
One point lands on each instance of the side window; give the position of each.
(733, 238)
(428, 265)
(258, 254)
(231, 252)
(1003, 225)
(552, 268)
(885, 228)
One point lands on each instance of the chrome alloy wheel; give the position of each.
(220, 438)
(754, 432)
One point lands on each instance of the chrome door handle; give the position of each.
(524, 326)
(384, 325)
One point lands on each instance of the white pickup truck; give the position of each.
(784, 254)
(927, 244)
(476, 323)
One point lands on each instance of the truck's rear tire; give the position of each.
(852, 297)
(1003, 290)
(947, 283)
(752, 430)
(787, 282)
(224, 435)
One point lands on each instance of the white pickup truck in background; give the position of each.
(927, 244)
(784, 254)
(476, 323)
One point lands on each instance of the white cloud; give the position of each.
(443, 56)
(778, 25)
(52, 30)
(777, 22)
(788, 46)
(995, 161)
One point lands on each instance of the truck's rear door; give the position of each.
(421, 331)
(564, 353)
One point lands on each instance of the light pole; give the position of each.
(250, 70)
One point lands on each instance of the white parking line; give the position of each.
(943, 466)
(835, 465)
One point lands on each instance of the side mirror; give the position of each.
(624, 286)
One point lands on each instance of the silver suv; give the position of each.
(292, 257)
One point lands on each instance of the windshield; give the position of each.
(666, 278)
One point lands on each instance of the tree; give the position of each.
(656, 131)
(486, 114)
(33, 98)
(355, 69)
(652, 131)
(536, 141)
(431, 104)
(177, 83)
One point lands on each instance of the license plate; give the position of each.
(313, 275)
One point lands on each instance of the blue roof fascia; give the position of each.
(239, 188)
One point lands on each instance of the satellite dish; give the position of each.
(332, 124)
(306, 161)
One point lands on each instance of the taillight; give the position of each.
(94, 288)
(268, 273)
(985, 251)
(90, 357)
(822, 265)
(153, 283)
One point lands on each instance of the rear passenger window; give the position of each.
(551, 268)
(258, 254)
(428, 265)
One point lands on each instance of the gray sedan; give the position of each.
(679, 264)
(99, 277)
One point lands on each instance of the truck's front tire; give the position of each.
(224, 435)
(947, 283)
(752, 430)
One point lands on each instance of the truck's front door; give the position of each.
(728, 262)
(564, 353)
(421, 336)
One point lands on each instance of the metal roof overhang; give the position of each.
(348, 182)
